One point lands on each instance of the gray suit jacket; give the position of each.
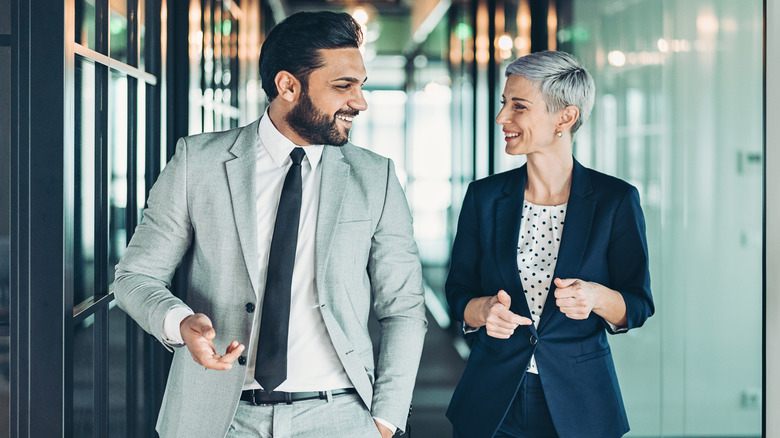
(201, 214)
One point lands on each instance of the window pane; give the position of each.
(117, 162)
(83, 378)
(117, 375)
(118, 30)
(85, 23)
(84, 196)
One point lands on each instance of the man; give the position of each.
(287, 235)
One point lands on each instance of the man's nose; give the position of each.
(358, 101)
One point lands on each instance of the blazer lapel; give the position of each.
(508, 215)
(335, 174)
(241, 180)
(576, 231)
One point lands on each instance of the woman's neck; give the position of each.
(549, 179)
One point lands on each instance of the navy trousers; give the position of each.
(528, 417)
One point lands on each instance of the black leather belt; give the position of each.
(260, 397)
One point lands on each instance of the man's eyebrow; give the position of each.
(350, 79)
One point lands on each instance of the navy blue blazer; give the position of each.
(603, 241)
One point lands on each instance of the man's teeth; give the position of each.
(510, 135)
(345, 118)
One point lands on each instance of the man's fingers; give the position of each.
(233, 351)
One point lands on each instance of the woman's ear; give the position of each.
(568, 116)
(288, 86)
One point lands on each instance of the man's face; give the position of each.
(332, 98)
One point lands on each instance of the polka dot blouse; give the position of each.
(537, 254)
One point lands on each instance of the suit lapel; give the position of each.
(335, 173)
(576, 231)
(241, 180)
(508, 214)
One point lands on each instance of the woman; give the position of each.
(547, 259)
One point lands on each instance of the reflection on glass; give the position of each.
(83, 378)
(118, 30)
(85, 23)
(214, 65)
(117, 377)
(142, 35)
(117, 176)
(84, 196)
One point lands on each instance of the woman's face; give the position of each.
(528, 127)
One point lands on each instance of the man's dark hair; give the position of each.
(293, 45)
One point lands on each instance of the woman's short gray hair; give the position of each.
(561, 80)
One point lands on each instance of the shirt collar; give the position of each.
(279, 146)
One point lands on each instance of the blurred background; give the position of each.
(94, 93)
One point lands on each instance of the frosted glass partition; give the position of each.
(679, 114)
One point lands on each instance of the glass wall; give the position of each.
(678, 114)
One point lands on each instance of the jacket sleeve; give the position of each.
(396, 285)
(627, 257)
(144, 273)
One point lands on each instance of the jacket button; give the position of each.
(241, 360)
(533, 340)
(250, 307)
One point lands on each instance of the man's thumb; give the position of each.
(504, 299)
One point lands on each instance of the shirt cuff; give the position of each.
(386, 424)
(172, 325)
(616, 329)
(468, 329)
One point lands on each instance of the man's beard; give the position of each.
(315, 126)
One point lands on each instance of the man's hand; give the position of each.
(198, 334)
(493, 312)
(386, 433)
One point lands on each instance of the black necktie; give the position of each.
(271, 362)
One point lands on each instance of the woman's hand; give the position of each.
(577, 299)
(493, 313)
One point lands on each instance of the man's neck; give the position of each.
(278, 114)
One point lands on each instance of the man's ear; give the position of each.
(288, 86)
(568, 116)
